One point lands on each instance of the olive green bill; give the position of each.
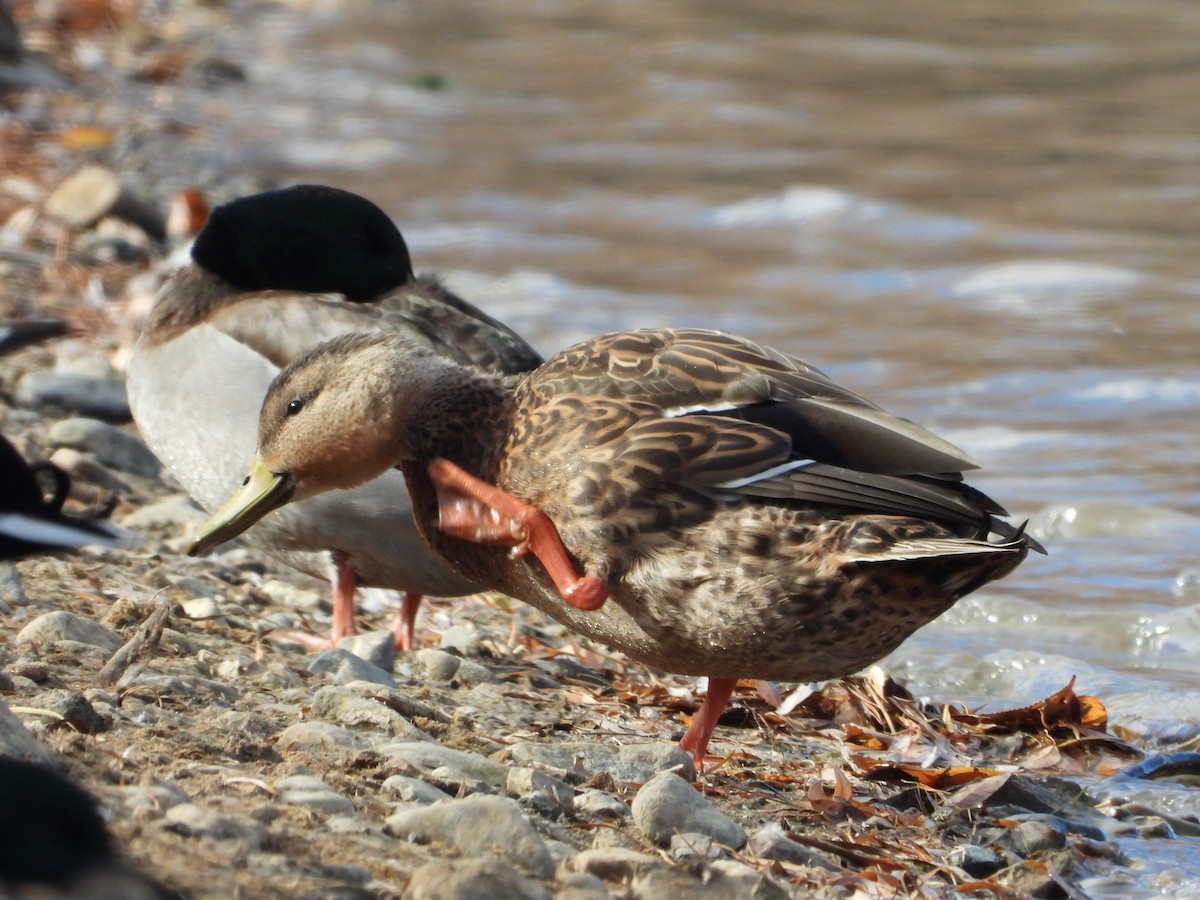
(261, 492)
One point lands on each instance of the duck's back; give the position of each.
(750, 517)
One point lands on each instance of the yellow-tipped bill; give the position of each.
(261, 492)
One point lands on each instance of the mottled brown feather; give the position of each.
(628, 442)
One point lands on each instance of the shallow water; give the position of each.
(982, 217)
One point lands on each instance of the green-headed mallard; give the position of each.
(272, 275)
(724, 509)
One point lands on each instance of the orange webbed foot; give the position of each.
(476, 511)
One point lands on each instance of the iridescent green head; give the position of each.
(307, 238)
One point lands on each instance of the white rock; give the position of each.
(477, 826)
(668, 805)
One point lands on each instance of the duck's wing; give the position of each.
(281, 325)
(733, 417)
(461, 331)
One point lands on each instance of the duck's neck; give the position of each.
(463, 415)
(189, 297)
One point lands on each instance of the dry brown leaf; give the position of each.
(940, 779)
(1064, 709)
(841, 786)
(977, 792)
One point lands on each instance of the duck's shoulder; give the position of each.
(457, 330)
(685, 368)
(189, 297)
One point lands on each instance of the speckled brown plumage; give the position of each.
(749, 517)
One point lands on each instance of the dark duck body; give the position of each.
(271, 276)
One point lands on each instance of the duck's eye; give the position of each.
(295, 406)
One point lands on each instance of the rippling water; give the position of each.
(982, 216)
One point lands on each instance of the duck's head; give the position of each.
(332, 420)
(309, 238)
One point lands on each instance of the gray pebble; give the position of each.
(348, 824)
(287, 594)
(101, 398)
(302, 782)
(1035, 834)
(581, 886)
(195, 821)
(1155, 827)
(599, 805)
(769, 842)
(346, 667)
(691, 845)
(84, 467)
(109, 444)
(17, 742)
(466, 639)
(171, 515)
(636, 763)
(978, 862)
(1085, 829)
(311, 791)
(436, 665)
(477, 826)
(376, 647)
(77, 713)
(412, 790)
(34, 670)
(347, 706)
(457, 783)
(158, 684)
(395, 699)
(202, 608)
(667, 805)
(320, 737)
(150, 799)
(472, 879)
(11, 591)
(737, 879)
(471, 672)
(615, 863)
(524, 782)
(430, 756)
(542, 804)
(61, 625)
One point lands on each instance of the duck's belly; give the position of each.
(727, 602)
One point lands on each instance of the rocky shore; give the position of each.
(504, 757)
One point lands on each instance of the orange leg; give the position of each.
(484, 514)
(695, 741)
(404, 625)
(345, 584)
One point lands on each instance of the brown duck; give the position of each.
(704, 504)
